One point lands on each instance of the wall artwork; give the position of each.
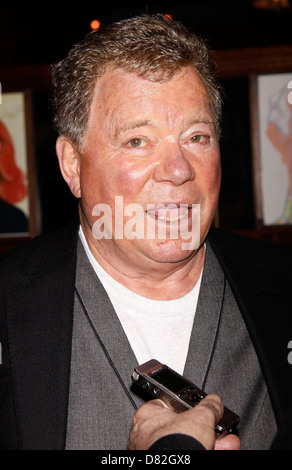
(17, 184)
(271, 112)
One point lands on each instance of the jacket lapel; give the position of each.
(40, 316)
(206, 320)
(116, 347)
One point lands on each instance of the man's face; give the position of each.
(152, 144)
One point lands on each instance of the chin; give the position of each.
(169, 251)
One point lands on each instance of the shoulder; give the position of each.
(39, 256)
(225, 238)
(236, 252)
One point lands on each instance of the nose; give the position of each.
(174, 167)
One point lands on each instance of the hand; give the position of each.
(155, 419)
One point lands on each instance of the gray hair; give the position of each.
(151, 46)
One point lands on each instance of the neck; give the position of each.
(151, 279)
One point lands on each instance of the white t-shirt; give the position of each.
(156, 329)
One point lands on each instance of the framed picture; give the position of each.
(18, 196)
(271, 121)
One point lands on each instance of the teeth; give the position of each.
(173, 219)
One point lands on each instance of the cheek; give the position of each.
(209, 182)
(100, 183)
(93, 187)
(214, 179)
(212, 172)
(127, 184)
(131, 178)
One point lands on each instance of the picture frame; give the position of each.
(19, 202)
(271, 135)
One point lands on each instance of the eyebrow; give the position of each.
(131, 125)
(200, 121)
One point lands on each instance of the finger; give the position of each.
(151, 404)
(228, 442)
(213, 402)
(159, 402)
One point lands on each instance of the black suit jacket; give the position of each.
(36, 320)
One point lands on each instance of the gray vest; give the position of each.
(221, 359)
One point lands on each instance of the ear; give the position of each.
(69, 164)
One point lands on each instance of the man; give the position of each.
(139, 275)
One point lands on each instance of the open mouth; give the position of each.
(169, 212)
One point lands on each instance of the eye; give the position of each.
(137, 142)
(200, 138)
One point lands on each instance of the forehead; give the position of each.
(119, 93)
